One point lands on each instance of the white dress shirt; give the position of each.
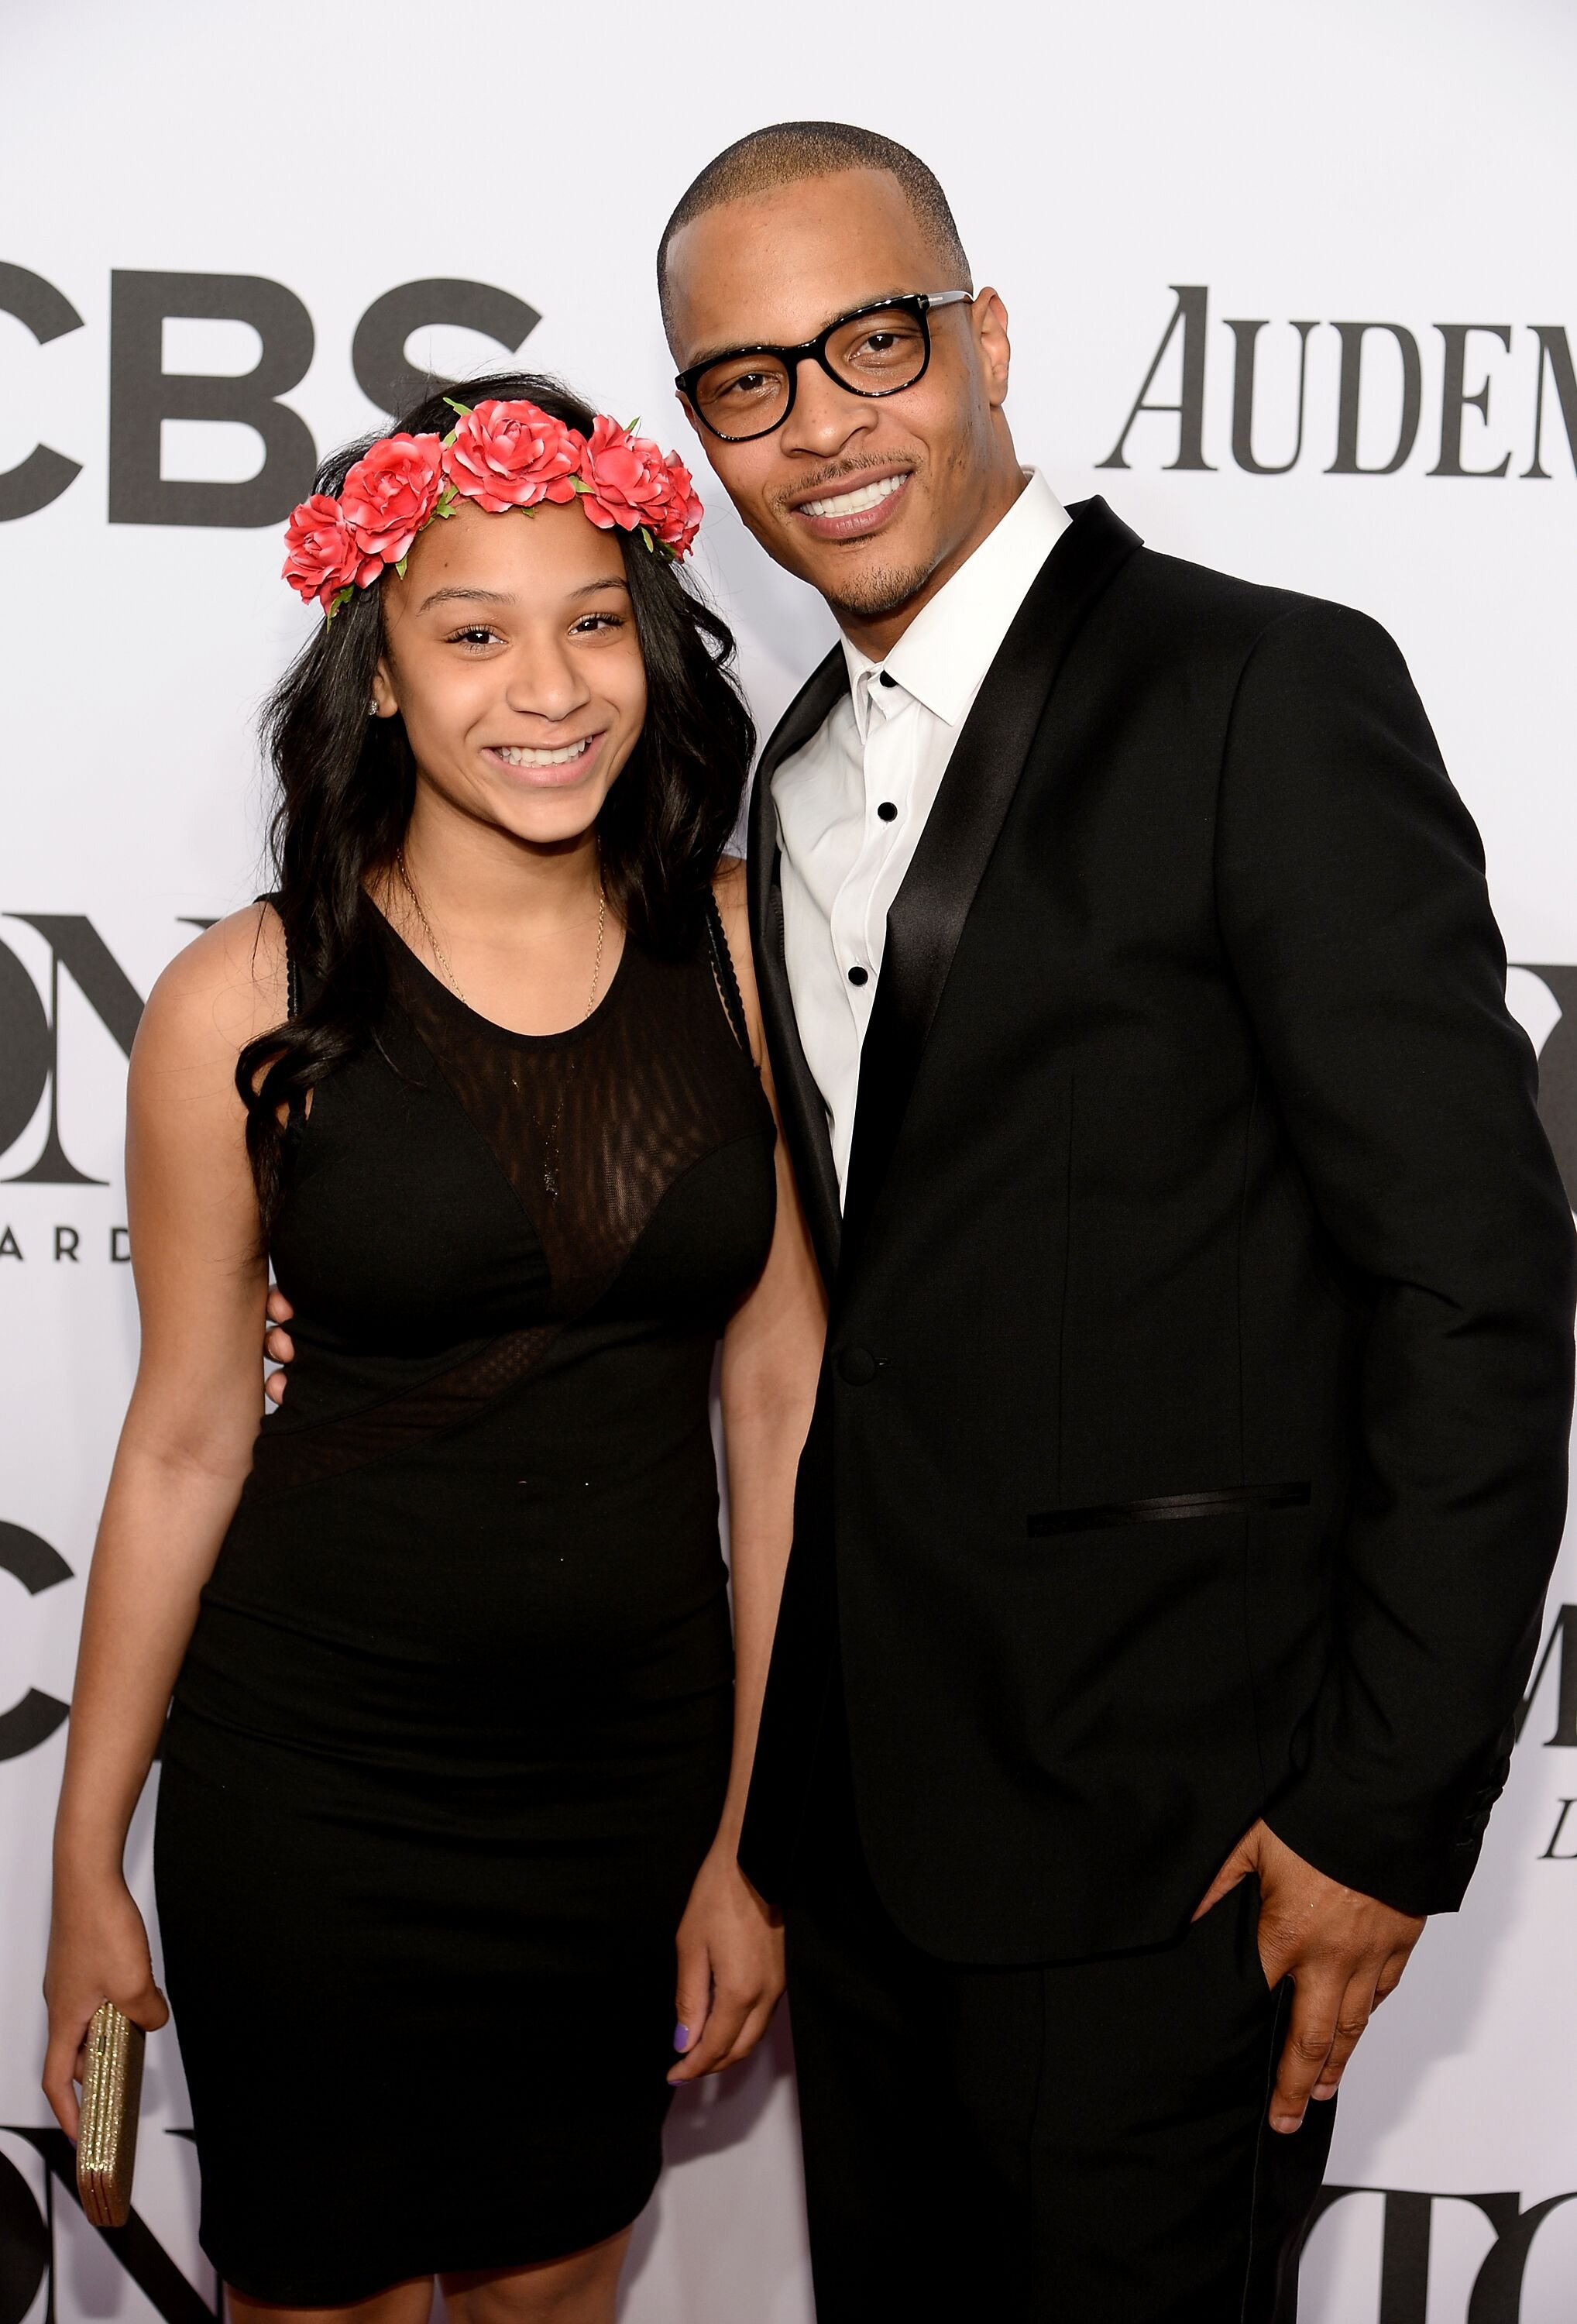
(851, 804)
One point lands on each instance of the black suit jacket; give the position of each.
(1191, 1438)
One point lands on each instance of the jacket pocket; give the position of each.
(1230, 1501)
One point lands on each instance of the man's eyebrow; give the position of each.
(753, 347)
(737, 347)
(477, 596)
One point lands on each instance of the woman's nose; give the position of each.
(547, 687)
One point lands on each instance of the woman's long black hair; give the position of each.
(346, 784)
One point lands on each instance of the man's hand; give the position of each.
(1342, 1951)
(278, 1347)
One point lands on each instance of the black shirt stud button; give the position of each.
(858, 975)
(857, 1366)
(888, 812)
(888, 681)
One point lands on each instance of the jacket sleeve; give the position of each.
(1352, 899)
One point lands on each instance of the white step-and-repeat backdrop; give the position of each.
(1292, 286)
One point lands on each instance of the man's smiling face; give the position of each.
(875, 502)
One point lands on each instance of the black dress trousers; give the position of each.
(1054, 2144)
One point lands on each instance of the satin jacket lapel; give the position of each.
(928, 914)
(799, 1100)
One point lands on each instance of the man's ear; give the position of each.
(683, 400)
(991, 339)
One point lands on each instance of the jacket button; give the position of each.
(856, 1365)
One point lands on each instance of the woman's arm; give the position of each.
(184, 1452)
(730, 1948)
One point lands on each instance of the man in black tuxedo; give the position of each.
(1190, 1453)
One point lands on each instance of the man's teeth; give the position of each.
(867, 496)
(545, 758)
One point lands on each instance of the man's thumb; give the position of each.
(1237, 1868)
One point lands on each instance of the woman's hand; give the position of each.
(730, 1969)
(99, 1952)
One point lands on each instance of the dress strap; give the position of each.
(296, 1104)
(292, 972)
(723, 974)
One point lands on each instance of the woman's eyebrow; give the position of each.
(502, 597)
(477, 596)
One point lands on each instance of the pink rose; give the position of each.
(626, 482)
(320, 555)
(681, 514)
(509, 455)
(388, 496)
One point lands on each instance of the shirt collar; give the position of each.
(947, 648)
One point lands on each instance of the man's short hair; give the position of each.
(791, 150)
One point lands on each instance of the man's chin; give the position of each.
(877, 590)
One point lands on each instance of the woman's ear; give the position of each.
(384, 703)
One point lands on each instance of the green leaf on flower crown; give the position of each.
(340, 597)
(464, 411)
(447, 501)
(449, 438)
(646, 537)
(579, 485)
(401, 563)
(635, 424)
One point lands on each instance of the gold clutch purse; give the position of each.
(106, 2140)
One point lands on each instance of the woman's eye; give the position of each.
(477, 634)
(590, 623)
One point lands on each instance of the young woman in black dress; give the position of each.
(459, 1737)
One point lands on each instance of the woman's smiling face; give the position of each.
(512, 654)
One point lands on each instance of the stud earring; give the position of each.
(373, 708)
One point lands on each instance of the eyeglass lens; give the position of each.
(746, 395)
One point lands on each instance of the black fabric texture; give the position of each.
(1198, 1157)
(1040, 2142)
(452, 1734)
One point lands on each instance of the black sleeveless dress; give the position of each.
(452, 1735)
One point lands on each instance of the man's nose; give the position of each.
(826, 417)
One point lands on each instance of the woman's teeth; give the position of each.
(868, 497)
(517, 758)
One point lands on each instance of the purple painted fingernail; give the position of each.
(681, 2037)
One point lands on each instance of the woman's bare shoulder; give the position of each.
(221, 991)
(730, 891)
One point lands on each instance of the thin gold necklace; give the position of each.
(442, 957)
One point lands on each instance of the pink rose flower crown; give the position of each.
(503, 456)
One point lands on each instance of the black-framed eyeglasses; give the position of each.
(879, 349)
